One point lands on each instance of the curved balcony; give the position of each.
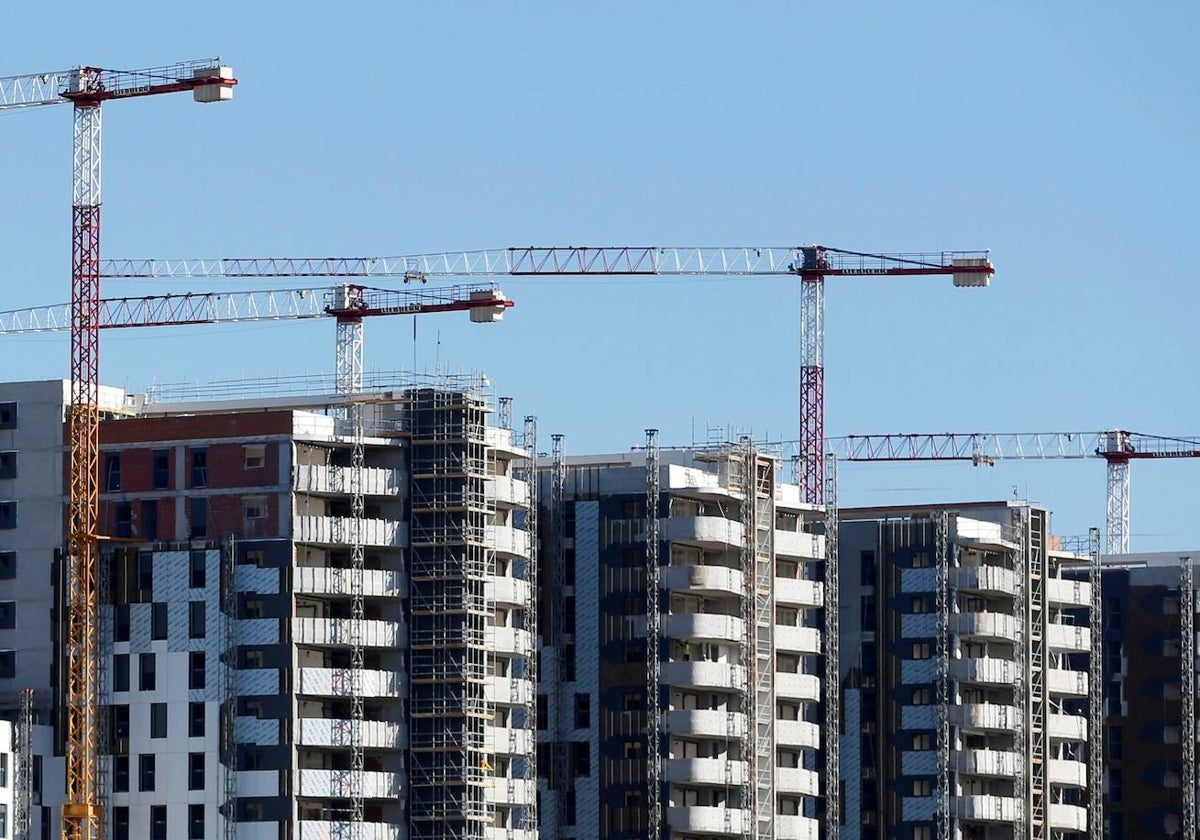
(984, 717)
(703, 580)
(335, 784)
(502, 439)
(721, 676)
(336, 632)
(704, 771)
(510, 591)
(799, 544)
(1068, 727)
(1068, 817)
(335, 531)
(505, 833)
(323, 580)
(1069, 593)
(986, 625)
(706, 723)
(991, 579)
(704, 627)
(797, 733)
(507, 740)
(702, 819)
(1069, 638)
(986, 670)
(506, 691)
(796, 780)
(988, 808)
(507, 491)
(797, 827)
(319, 479)
(992, 763)
(1069, 683)
(511, 642)
(703, 531)
(799, 593)
(1067, 773)
(335, 682)
(324, 829)
(798, 687)
(374, 734)
(797, 639)
(506, 539)
(510, 791)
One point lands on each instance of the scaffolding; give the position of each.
(1020, 655)
(23, 788)
(833, 673)
(742, 470)
(653, 641)
(229, 610)
(1187, 673)
(1095, 693)
(529, 819)
(451, 661)
(1038, 698)
(945, 824)
(558, 485)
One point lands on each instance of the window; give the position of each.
(920, 604)
(8, 615)
(255, 507)
(149, 521)
(922, 741)
(121, 773)
(631, 702)
(1115, 743)
(541, 711)
(252, 609)
(8, 516)
(195, 822)
(112, 471)
(582, 758)
(196, 678)
(196, 628)
(146, 772)
(120, 672)
(199, 467)
(922, 832)
(920, 650)
(3, 776)
(633, 749)
(569, 567)
(146, 572)
(8, 415)
(158, 822)
(253, 658)
(145, 672)
(256, 557)
(199, 518)
(922, 696)
(1116, 784)
(922, 787)
(196, 771)
(583, 711)
(921, 560)
(120, 822)
(568, 662)
(8, 464)
(158, 620)
(8, 565)
(124, 519)
(121, 623)
(196, 577)
(158, 720)
(569, 614)
(195, 720)
(256, 456)
(867, 568)
(8, 664)
(120, 724)
(161, 465)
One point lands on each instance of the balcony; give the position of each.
(720, 772)
(797, 827)
(335, 784)
(505, 691)
(506, 740)
(986, 625)
(797, 687)
(704, 531)
(323, 480)
(374, 734)
(991, 579)
(703, 580)
(492, 832)
(335, 632)
(707, 723)
(795, 780)
(799, 544)
(992, 763)
(707, 819)
(1069, 683)
(510, 591)
(507, 491)
(511, 792)
(334, 682)
(335, 531)
(1068, 817)
(704, 627)
(987, 671)
(1069, 593)
(511, 642)
(323, 580)
(1068, 727)
(799, 593)
(506, 539)
(1069, 638)
(797, 733)
(1067, 773)
(985, 717)
(324, 830)
(797, 639)
(975, 532)
(721, 676)
(988, 808)
(502, 439)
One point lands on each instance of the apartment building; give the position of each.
(964, 676)
(238, 626)
(694, 712)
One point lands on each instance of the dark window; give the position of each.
(196, 678)
(120, 821)
(8, 664)
(867, 568)
(121, 773)
(146, 772)
(162, 469)
(196, 771)
(569, 567)
(8, 565)
(8, 516)
(569, 807)
(541, 711)
(8, 415)
(196, 579)
(199, 467)
(8, 615)
(568, 663)
(149, 521)
(112, 471)
(120, 672)
(146, 572)
(1115, 743)
(158, 620)
(199, 517)
(124, 519)
(196, 627)
(145, 672)
(120, 723)
(582, 760)
(121, 623)
(37, 779)
(158, 720)
(868, 613)
(583, 711)
(8, 464)
(1116, 784)
(569, 614)
(195, 720)
(158, 822)
(196, 821)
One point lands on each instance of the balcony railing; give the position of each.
(376, 481)
(336, 631)
(335, 530)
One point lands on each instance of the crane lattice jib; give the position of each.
(1114, 445)
(93, 85)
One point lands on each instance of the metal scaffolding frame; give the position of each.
(833, 680)
(1039, 700)
(561, 759)
(653, 642)
(944, 608)
(229, 609)
(741, 473)
(529, 822)
(1095, 692)
(1187, 693)
(23, 783)
(1021, 743)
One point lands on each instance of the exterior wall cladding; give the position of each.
(721, 717)
(227, 620)
(1015, 649)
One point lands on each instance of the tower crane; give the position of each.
(86, 89)
(812, 264)
(1117, 447)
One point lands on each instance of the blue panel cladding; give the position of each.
(918, 580)
(918, 717)
(587, 637)
(918, 763)
(850, 752)
(918, 626)
(914, 671)
(918, 808)
(254, 579)
(139, 628)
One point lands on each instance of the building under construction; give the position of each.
(313, 625)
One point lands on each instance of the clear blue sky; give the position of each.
(1062, 136)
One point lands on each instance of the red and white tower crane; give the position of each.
(1117, 447)
(86, 89)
